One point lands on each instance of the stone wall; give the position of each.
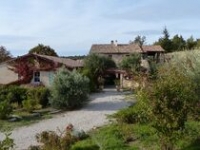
(129, 84)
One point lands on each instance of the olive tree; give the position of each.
(95, 66)
(69, 89)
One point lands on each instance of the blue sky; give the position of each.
(72, 26)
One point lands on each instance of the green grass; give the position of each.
(87, 144)
(135, 137)
(105, 138)
(109, 137)
(119, 137)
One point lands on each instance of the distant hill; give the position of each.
(75, 57)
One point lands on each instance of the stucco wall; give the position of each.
(7, 75)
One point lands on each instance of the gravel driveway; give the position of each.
(92, 115)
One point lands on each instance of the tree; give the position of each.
(166, 33)
(165, 42)
(131, 63)
(191, 43)
(178, 43)
(43, 50)
(69, 89)
(95, 66)
(198, 43)
(140, 40)
(4, 54)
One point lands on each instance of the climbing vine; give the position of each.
(26, 66)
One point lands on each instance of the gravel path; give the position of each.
(92, 115)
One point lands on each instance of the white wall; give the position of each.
(46, 78)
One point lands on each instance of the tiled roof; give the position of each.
(153, 48)
(66, 61)
(124, 48)
(111, 48)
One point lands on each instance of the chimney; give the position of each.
(115, 43)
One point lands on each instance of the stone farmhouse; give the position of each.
(118, 51)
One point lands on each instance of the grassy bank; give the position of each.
(134, 137)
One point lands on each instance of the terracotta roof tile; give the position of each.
(66, 61)
(123, 48)
(153, 48)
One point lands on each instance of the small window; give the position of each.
(37, 76)
(127, 55)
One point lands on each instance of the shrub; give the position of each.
(43, 96)
(7, 143)
(5, 109)
(92, 85)
(13, 94)
(39, 94)
(63, 141)
(3, 93)
(153, 72)
(131, 63)
(188, 63)
(69, 89)
(172, 99)
(31, 104)
(36, 98)
(16, 94)
(51, 140)
(138, 113)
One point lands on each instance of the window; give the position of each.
(37, 76)
(110, 56)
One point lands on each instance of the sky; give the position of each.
(70, 27)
